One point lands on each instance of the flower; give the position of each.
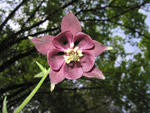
(71, 54)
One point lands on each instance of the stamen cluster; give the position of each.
(73, 55)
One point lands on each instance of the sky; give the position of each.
(127, 46)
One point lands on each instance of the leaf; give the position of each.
(39, 75)
(4, 106)
(25, 102)
(41, 67)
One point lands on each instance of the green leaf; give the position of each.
(4, 106)
(39, 75)
(25, 102)
(41, 67)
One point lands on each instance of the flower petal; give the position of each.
(87, 61)
(70, 23)
(97, 49)
(83, 41)
(55, 59)
(43, 44)
(73, 70)
(56, 76)
(63, 40)
(94, 72)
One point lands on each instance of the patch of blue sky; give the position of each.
(130, 47)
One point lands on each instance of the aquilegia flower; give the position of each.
(71, 54)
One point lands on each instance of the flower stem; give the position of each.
(32, 93)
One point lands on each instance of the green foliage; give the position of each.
(25, 102)
(4, 106)
(39, 75)
(116, 23)
(43, 70)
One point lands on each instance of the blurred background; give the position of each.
(122, 24)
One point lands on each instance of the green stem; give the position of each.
(32, 93)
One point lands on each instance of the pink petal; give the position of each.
(97, 49)
(63, 40)
(73, 70)
(70, 23)
(83, 41)
(56, 76)
(87, 61)
(55, 59)
(43, 44)
(95, 72)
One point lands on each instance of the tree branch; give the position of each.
(6, 44)
(32, 15)
(130, 28)
(16, 86)
(11, 14)
(124, 12)
(42, 21)
(125, 26)
(15, 58)
(9, 43)
(116, 16)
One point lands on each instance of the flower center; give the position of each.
(73, 55)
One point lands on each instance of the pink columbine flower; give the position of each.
(71, 54)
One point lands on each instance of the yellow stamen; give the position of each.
(79, 51)
(75, 49)
(66, 57)
(68, 50)
(80, 54)
(67, 61)
(73, 55)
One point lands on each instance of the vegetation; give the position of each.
(116, 23)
